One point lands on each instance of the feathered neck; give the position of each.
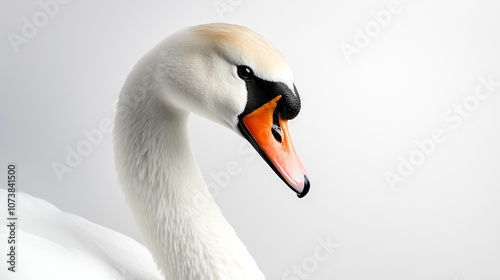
(179, 221)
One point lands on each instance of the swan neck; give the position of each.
(179, 221)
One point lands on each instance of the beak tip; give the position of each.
(305, 190)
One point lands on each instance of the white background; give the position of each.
(361, 114)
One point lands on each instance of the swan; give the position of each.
(223, 72)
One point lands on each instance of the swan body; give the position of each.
(225, 73)
(55, 245)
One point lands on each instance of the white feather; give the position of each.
(55, 245)
(193, 70)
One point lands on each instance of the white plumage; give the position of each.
(55, 245)
(194, 70)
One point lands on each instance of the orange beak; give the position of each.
(268, 132)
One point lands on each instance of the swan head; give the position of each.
(234, 76)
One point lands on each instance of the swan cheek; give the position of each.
(268, 132)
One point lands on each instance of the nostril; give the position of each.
(277, 133)
(276, 128)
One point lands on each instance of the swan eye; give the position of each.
(245, 73)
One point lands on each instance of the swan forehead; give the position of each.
(242, 46)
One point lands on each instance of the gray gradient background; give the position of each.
(358, 118)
